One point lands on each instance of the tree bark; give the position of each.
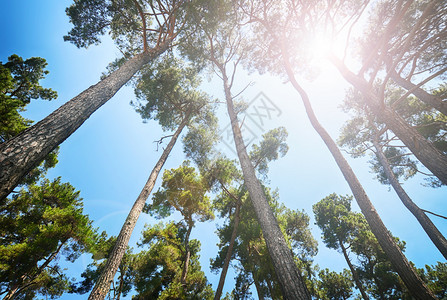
(432, 231)
(187, 256)
(22, 153)
(290, 280)
(102, 286)
(423, 150)
(420, 93)
(355, 275)
(223, 274)
(400, 263)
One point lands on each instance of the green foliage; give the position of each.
(334, 286)
(157, 271)
(200, 140)
(339, 224)
(91, 19)
(100, 253)
(403, 166)
(272, 145)
(343, 228)
(124, 20)
(166, 92)
(436, 278)
(183, 190)
(358, 133)
(250, 250)
(38, 225)
(19, 84)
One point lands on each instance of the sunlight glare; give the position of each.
(321, 46)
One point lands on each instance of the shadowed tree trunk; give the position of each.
(187, 254)
(258, 288)
(22, 153)
(432, 231)
(423, 150)
(102, 286)
(26, 280)
(427, 98)
(223, 274)
(400, 263)
(290, 280)
(355, 275)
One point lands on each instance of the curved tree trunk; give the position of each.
(290, 280)
(22, 153)
(422, 95)
(223, 274)
(400, 263)
(432, 231)
(102, 286)
(355, 275)
(423, 150)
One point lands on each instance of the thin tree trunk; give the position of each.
(102, 286)
(22, 153)
(258, 288)
(290, 280)
(223, 274)
(355, 275)
(19, 286)
(400, 263)
(187, 256)
(423, 150)
(121, 284)
(270, 287)
(432, 231)
(11, 293)
(422, 95)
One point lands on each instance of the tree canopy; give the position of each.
(223, 77)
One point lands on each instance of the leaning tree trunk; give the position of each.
(290, 280)
(432, 231)
(22, 153)
(355, 275)
(423, 150)
(102, 286)
(429, 99)
(400, 263)
(223, 274)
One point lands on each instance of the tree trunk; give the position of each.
(400, 263)
(423, 150)
(22, 153)
(187, 256)
(432, 231)
(120, 286)
(26, 280)
(223, 274)
(290, 280)
(11, 293)
(422, 95)
(258, 288)
(355, 275)
(102, 286)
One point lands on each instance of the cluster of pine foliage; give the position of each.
(398, 104)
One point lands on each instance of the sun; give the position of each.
(321, 45)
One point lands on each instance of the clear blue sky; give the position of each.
(110, 157)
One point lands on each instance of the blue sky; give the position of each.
(110, 157)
